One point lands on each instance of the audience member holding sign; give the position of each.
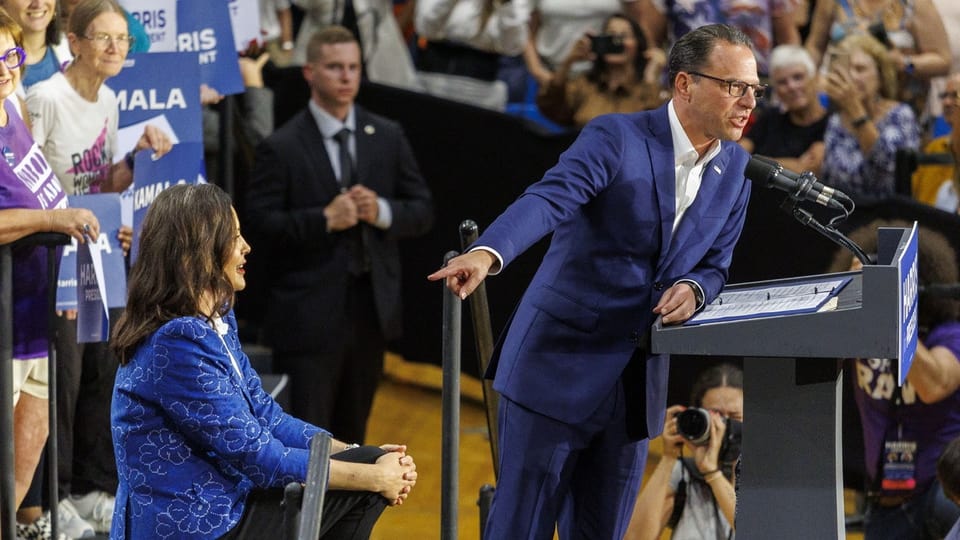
(31, 201)
(75, 118)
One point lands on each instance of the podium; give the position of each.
(791, 483)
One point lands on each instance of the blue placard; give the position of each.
(182, 165)
(148, 94)
(159, 20)
(106, 206)
(203, 28)
(93, 319)
(908, 290)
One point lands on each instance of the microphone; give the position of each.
(800, 186)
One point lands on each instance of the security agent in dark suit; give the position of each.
(332, 191)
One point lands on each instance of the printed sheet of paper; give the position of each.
(768, 301)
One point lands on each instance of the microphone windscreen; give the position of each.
(760, 170)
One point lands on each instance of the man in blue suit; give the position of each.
(645, 210)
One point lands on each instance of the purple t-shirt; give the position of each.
(931, 426)
(27, 181)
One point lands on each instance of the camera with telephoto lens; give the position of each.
(606, 44)
(693, 424)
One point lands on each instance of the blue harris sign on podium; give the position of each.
(908, 291)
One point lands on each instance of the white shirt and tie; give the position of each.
(329, 128)
(688, 173)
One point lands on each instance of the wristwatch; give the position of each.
(857, 123)
(908, 66)
(697, 296)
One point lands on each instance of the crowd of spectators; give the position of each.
(865, 79)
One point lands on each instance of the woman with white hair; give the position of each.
(792, 131)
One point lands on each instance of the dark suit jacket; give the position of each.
(306, 266)
(610, 202)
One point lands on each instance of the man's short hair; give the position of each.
(692, 51)
(328, 35)
(948, 470)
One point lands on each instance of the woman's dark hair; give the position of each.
(936, 263)
(595, 75)
(185, 241)
(719, 376)
(52, 34)
(692, 51)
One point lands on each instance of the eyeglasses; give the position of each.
(954, 94)
(14, 58)
(736, 88)
(103, 40)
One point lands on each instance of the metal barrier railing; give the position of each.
(303, 504)
(450, 448)
(483, 337)
(8, 510)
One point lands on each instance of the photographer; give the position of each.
(614, 84)
(694, 496)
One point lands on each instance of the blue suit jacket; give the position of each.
(610, 202)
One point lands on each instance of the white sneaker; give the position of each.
(96, 508)
(70, 523)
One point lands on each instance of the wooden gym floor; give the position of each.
(407, 409)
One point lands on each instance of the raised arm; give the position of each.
(934, 373)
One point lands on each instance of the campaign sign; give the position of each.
(106, 206)
(204, 29)
(148, 94)
(909, 291)
(245, 18)
(93, 318)
(182, 165)
(159, 19)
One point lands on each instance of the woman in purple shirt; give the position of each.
(31, 201)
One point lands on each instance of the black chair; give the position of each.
(303, 503)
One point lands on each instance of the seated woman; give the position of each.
(202, 450)
(695, 496)
(868, 127)
(792, 134)
(614, 83)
